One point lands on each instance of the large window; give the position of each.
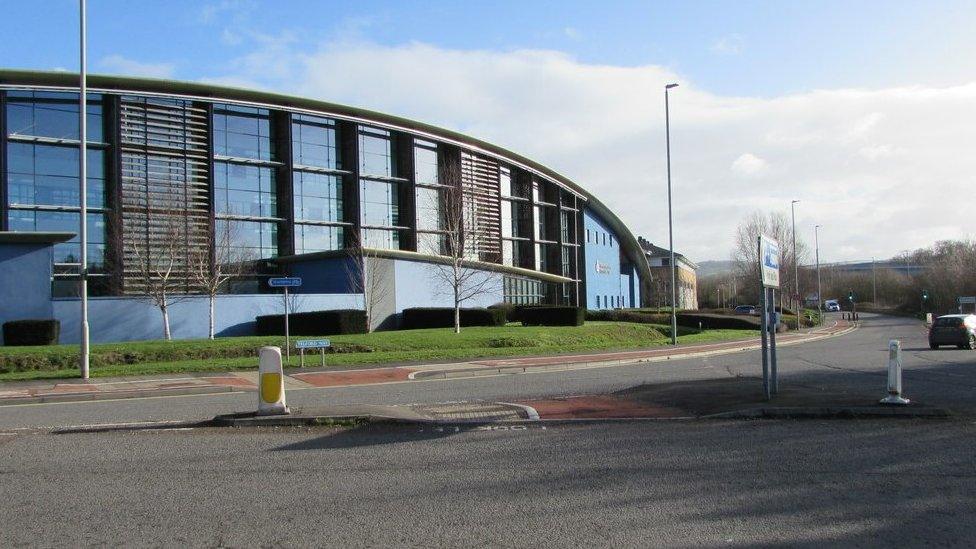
(244, 190)
(429, 194)
(425, 163)
(242, 132)
(314, 142)
(250, 240)
(52, 114)
(67, 222)
(43, 191)
(375, 153)
(245, 186)
(317, 238)
(318, 197)
(317, 187)
(523, 291)
(47, 175)
(379, 203)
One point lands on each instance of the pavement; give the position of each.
(39, 392)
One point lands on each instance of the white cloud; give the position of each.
(731, 44)
(749, 164)
(572, 33)
(872, 166)
(118, 64)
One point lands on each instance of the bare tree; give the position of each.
(159, 264)
(361, 274)
(214, 265)
(745, 253)
(461, 241)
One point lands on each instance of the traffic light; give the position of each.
(925, 295)
(850, 296)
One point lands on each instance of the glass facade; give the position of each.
(41, 172)
(251, 240)
(245, 191)
(375, 153)
(53, 115)
(262, 182)
(314, 142)
(242, 132)
(245, 182)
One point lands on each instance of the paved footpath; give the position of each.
(139, 387)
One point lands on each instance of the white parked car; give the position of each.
(831, 305)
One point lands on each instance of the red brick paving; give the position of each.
(597, 407)
(354, 377)
(230, 381)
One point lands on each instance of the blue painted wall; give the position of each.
(325, 276)
(25, 281)
(608, 286)
(128, 319)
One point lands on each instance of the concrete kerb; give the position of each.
(116, 395)
(453, 373)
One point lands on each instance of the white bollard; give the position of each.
(271, 383)
(894, 374)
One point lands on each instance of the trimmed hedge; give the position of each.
(443, 317)
(628, 316)
(712, 321)
(340, 321)
(31, 332)
(554, 315)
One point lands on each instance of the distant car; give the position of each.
(958, 330)
(831, 305)
(745, 310)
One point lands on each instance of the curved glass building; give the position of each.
(288, 185)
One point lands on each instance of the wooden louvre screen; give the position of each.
(480, 193)
(165, 195)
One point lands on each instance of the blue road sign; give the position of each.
(285, 282)
(312, 344)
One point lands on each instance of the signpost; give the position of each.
(769, 258)
(320, 344)
(286, 282)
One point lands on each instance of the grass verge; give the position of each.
(239, 353)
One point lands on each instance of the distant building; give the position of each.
(659, 260)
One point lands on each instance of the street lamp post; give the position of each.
(667, 134)
(796, 267)
(816, 243)
(83, 182)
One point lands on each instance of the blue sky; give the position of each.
(752, 48)
(863, 110)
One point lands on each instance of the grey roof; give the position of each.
(212, 92)
(651, 250)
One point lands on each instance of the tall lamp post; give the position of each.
(816, 244)
(83, 181)
(796, 267)
(667, 134)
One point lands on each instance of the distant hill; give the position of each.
(708, 268)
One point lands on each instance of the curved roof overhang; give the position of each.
(211, 92)
(426, 258)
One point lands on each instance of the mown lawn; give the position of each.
(239, 353)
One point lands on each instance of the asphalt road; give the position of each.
(701, 483)
(653, 483)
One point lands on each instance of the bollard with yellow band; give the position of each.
(271, 383)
